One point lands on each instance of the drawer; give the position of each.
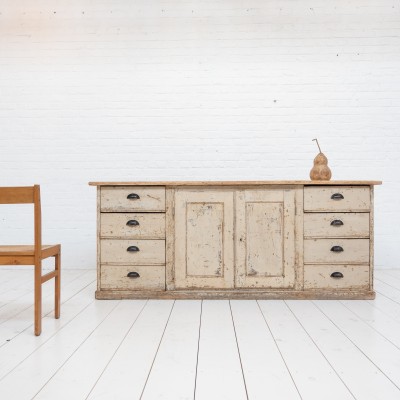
(354, 251)
(336, 225)
(132, 198)
(116, 277)
(132, 225)
(319, 277)
(337, 198)
(141, 252)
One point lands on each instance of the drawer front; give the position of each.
(336, 225)
(141, 252)
(132, 225)
(132, 198)
(319, 277)
(116, 277)
(354, 251)
(337, 198)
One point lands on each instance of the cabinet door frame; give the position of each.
(291, 200)
(209, 195)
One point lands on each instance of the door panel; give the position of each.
(265, 238)
(204, 238)
(264, 234)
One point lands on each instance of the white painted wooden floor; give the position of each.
(203, 350)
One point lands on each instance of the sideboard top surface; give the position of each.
(234, 183)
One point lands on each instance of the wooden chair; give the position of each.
(32, 255)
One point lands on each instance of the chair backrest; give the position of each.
(17, 195)
(26, 195)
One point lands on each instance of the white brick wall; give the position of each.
(163, 90)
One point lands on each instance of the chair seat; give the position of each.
(22, 250)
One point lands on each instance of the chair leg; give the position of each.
(38, 298)
(57, 285)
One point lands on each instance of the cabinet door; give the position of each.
(204, 238)
(265, 238)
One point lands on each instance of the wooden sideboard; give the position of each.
(250, 239)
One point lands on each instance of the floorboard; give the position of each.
(14, 284)
(20, 316)
(376, 319)
(25, 344)
(308, 366)
(219, 371)
(390, 279)
(384, 354)
(264, 368)
(197, 350)
(53, 354)
(173, 374)
(387, 306)
(24, 301)
(126, 375)
(95, 353)
(362, 377)
(388, 291)
(392, 272)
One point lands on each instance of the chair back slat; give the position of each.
(17, 195)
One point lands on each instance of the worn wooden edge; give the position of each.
(134, 264)
(130, 210)
(98, 237)
(170, 238)
(133, 237)
(238, 200)
(299, 239)
(337, 237)
(371, 241)
(234, 183)
(344, 210)
(249, 294)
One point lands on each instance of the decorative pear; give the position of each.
(320, 170)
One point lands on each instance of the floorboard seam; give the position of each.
(158, 347)
(240, 357)
(77, 348)
(198, 350)
(279, 350)
(323, 355)
(370, 325)
(116, 350)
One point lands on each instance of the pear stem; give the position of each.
(318, 145)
